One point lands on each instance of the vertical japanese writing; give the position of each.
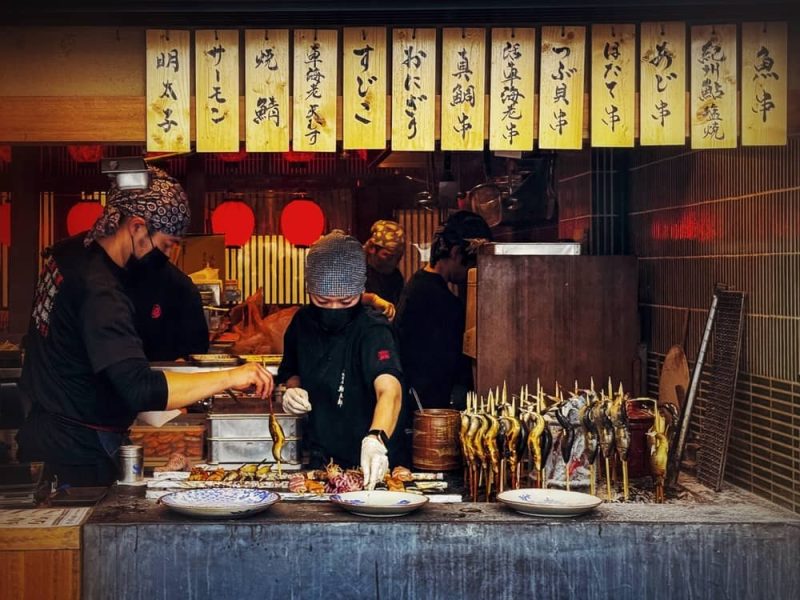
(216, 54)
(267, 107)
(661, 58)
(712, 89)
(762, 73)
(413, 59)
(365, 79)
(313, 77)
(511, 95)
(611, 73)
(562, 75)
(463, 92)
(169, 63)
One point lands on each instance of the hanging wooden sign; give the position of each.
(217, 90)
(662, 89)
(315, 71)
(764, 84)
(713, 113)
(414, 89)
(266, 95)
(512, 89)
(168, 91)
(613, 117)
(561, 88)
(364, 88)
(463, 88)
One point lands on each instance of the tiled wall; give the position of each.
(700, 218)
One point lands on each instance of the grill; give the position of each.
(715, 426)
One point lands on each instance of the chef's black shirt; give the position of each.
(363, 350)
(168, 313)
(82, 332)
(430, 325)
(388, 286)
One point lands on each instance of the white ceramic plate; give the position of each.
(549, 503)
(220, 503)
(379, 503)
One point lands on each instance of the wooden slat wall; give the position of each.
(46, 217)
(697, 218)
(271, 263)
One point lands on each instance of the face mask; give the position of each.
(334, 320)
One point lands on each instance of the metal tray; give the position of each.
(243, 426)
(252, 451)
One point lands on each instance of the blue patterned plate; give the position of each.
(219, 503)
(379, 503)
(549, 503)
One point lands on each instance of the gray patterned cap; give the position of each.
(163, 205)
(336, 266)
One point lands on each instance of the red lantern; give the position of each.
(85, 153)
(5, 224)
(232, 157)
(5, 153)
(298, 157)
(236, 220)
(82, 216)
(302, 222)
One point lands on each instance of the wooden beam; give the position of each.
(121, 119)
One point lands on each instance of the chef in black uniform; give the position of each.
(168, 311)
(385, 248)
(431, 319)
(340, 365)
(85, 373)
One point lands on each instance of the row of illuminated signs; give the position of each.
(486, 87)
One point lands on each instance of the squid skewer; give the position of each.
(606, 434)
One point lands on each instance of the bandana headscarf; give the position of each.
(388, 234)
(336, 266)
(464, 229)
(163, 205)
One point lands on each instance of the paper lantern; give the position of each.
(302, 222)
(5, 153)
(232, 157)
(82, 216)
(298, 157)
(85, 153)
(5, 224)
(236, 220)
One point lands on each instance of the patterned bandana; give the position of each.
(336, 266)
(388, 234)
(163, 205)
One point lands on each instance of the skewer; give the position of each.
(608, 479)
(592, 477)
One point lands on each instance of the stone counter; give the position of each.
(734, 547)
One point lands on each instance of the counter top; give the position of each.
(735, 546)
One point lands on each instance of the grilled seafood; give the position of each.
(402, 474)
(618, 415)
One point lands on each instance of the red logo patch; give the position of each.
(384, 355)
(156, 312)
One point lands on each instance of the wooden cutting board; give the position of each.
(673, 385)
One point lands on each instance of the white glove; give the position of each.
(374, 462)
(295, 401)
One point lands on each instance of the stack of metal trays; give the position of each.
(19, 484)
(238, 432)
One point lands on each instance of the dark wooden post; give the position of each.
(23, 259)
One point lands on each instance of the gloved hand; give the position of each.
(295, 401)
(374, 461)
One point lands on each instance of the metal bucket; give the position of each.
(435, 440)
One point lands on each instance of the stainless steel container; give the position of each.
(245, 438)
(131, 460)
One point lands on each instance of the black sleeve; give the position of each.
(378, 354)
(138, 385)
(290, 365)
(193, 329)
(107, 325)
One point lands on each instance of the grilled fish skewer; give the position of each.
(618, 416)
